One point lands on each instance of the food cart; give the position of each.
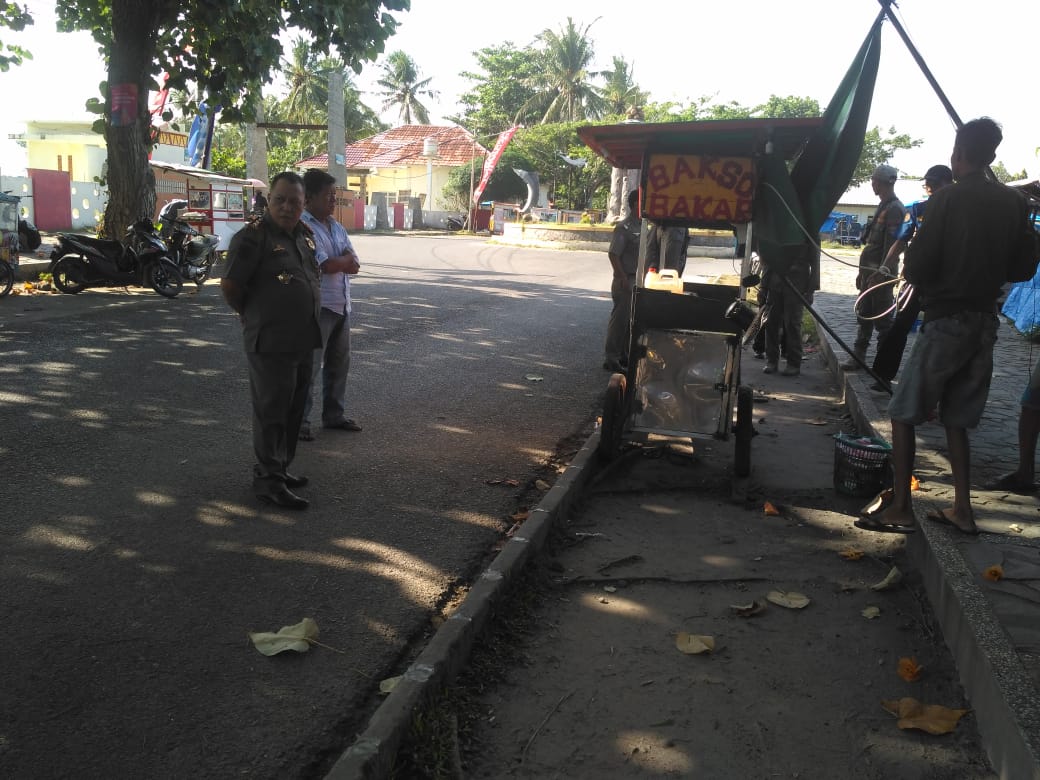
(683, 370)
(218, 205)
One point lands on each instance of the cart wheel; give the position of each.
(613, 418)
(744, 430)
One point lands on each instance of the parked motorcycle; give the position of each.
(192, 251)
(79, 262)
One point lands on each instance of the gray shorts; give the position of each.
(950, 367)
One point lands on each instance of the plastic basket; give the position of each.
(861, 465)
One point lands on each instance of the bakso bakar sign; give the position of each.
(698, 188)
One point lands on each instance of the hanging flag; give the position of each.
(193, 152)
(492, 160)
(792, 207)
(158, 101)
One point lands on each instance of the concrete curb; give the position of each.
(373, 754)
(997, 683)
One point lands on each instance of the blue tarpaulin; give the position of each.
(1022, 306)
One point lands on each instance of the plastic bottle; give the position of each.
(667, 279)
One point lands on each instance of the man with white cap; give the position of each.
(884, 229)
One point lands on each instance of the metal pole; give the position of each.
(887, 6)
(471, 216)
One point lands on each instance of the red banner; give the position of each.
(492, 160)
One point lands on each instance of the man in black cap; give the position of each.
(891, 344)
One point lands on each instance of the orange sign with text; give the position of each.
(698, 188)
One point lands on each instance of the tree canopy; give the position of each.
(223, 48)
(16, 18)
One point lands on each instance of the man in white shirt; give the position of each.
(338, 261)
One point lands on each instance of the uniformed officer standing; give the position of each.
(272, 281)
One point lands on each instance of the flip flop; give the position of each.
(877, 503)
(1011, 483)
(871, 523)
(938, 516)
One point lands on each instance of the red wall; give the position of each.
(52, 199)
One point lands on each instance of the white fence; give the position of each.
(87, 200)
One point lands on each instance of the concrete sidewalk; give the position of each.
(992, 629)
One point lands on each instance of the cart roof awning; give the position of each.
(623, 145)
(200, 173)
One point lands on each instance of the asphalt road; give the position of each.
(134, 559)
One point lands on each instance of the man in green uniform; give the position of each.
(272, 281)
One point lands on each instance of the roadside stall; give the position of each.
(217, 205)
(683, 374)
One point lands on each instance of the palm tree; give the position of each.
(402, 88)
(564, 92)
(621, 92)
(308, 80)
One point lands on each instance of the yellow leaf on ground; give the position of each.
(892, 579)
(790, 599)
(297, 638)
(851, 554)
(871, 612)
(389, 684)
(909, 669)
(994, 573)
(694, 644)
(914, 483)
(770, 509)
(932, 718)
(542, 485)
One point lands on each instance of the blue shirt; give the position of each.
(331, 240)
(912, 221)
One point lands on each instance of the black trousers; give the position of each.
(279, 383)
(892, 344)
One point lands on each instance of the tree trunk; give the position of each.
(131, 184)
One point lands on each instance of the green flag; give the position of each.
(826, 165)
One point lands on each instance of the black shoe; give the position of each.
(305, 435)
(292, 481)
(280, 495)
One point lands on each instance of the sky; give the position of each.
(738, 50)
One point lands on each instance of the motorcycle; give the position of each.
(192, 251)
(79, 262)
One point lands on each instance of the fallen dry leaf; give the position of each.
(932, 718)
(389, 684)
(610, 588)
(871, 612)
(817, 421)
(770, 509)
(297, 638)
(893, 578)
(756, 607)
(511, 482)
(519, 516)
(542, 485)
(1016, 528)
(694, 644)
(851, 554)
(533, 377)
(790, 599)
(994, 573)
(909, 669)
(914, 483)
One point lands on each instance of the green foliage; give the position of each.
(562, 84)
(504, 185)
(878, 149)
(16, 18)
(620, 92)
(545, 146)
(227, 161)
(402, 88)
(501, 90)
(1004, 175)
(233, 44)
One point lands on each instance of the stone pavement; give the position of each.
(993, 629)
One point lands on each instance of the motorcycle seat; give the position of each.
(103, 245)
